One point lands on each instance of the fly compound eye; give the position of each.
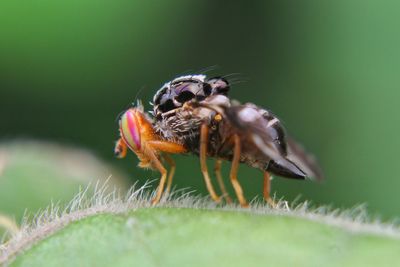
(130, 129)
(219, 86)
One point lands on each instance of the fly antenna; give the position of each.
(137, 94)
(139, 103)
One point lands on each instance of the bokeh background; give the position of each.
(329, 69)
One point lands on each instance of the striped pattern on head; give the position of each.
(130, 129)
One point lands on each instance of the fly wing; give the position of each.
(267, 134)
(307, 162)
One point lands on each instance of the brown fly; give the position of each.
(193, 114)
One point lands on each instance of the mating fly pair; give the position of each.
(192, 114)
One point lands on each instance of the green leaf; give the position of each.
(34, 174)
(178, 236)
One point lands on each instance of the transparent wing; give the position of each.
(267, 134)
(287, 158)
(306, 161)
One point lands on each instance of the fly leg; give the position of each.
(120, 149)
(217, 170)
(171, 173)
(234, 170)
(157, 164)
(203, 163)
(267, 190)
(167, 147)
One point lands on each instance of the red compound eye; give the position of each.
(130, 129)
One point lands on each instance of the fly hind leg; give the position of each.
(234, 170)
(267, 190)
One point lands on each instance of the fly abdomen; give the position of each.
(285, 168)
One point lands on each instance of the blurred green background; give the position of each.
(329, 69)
